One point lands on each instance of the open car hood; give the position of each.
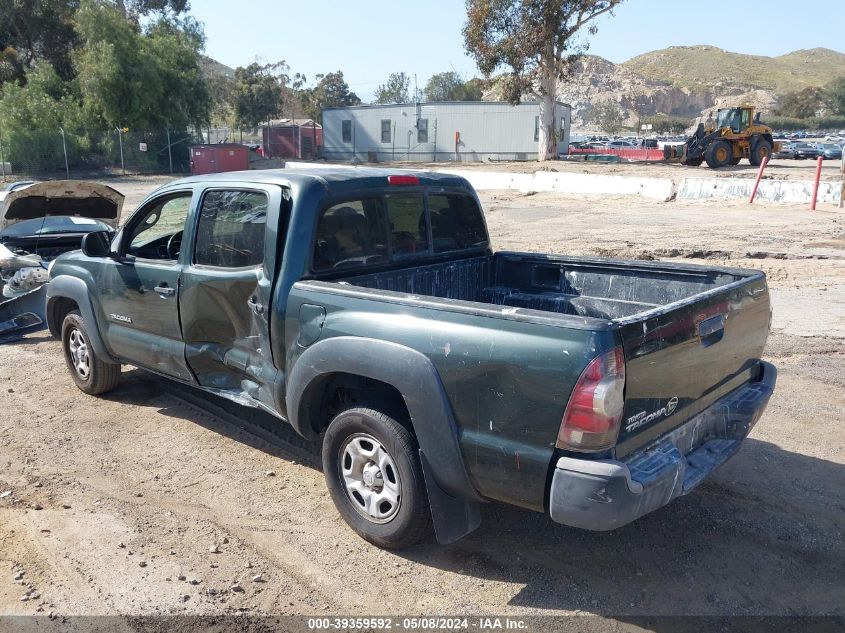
(61, 197)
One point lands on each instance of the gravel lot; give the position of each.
(154, 501)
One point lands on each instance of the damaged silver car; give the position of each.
(38, 222)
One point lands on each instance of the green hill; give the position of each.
(212, 69)
(709, 68)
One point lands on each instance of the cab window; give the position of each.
(351, 234)
(456, 223)
(157, 234)
(231, 228)
(408, 225)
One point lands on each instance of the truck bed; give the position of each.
(593, 288)
(690, 334)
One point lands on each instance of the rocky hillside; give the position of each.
(707, 67)
(689, 81)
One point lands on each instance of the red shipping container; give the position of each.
(213, 159)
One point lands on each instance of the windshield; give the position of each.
(53, 225)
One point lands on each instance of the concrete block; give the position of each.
(795, 191)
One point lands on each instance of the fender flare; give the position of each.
(67, 287)
(413, 375)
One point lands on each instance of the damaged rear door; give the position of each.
(226, 288)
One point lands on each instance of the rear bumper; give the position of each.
(606, 494)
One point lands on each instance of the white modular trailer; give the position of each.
(439, 132)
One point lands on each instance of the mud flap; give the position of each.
(453, 517)
(23, 314)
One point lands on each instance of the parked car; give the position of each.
(786, 151)
(365, 308)
(39, 222)
(620, 144)
(831, 151)
(805, 150)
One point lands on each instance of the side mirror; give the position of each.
(96, 244)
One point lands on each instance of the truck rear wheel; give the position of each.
(90, 373)
(718, 154)
(759, 151)
(373, 472)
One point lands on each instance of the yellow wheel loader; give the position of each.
(737, 134)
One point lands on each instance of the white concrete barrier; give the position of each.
(770, 190)
(566, 182)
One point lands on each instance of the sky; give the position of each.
(369, 39)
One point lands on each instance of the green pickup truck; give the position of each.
(366, 308)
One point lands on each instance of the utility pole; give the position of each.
(64, 150)
(119, 142)
(169, 152)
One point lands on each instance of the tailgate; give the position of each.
(682, 358)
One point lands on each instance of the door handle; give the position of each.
(711, 330)
(256, 307)
(165, 291)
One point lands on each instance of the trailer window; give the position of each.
(456, 223)
(351, 234)
(422, 131)
(346, 130)
(385, 130)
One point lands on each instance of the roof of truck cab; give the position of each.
(334, 177)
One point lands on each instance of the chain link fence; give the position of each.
(54, 154)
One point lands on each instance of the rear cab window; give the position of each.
(377, 230)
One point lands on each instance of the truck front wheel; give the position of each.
(90, 373)
(373, 473)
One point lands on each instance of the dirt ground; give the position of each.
(153, 500)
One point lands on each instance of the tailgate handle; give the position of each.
(711, 330)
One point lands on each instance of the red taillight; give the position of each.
(591, 420)
(402, 180)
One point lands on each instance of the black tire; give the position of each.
(735, 160)
(759, 151)
(718, 154)
(91, 374)
(402, 525)
(694, 162)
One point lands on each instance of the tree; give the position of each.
(607, 115)
(449, 86)
(136, 79)
(37, 30)
(257, 92)
(446, 86)
(136, 9)
(474, 89)
(534, 40)
(835, 96)
(802, 104)
(331, 91)
(395, 90)
(31, 116)
(665, 124)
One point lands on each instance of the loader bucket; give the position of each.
(23, 314)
